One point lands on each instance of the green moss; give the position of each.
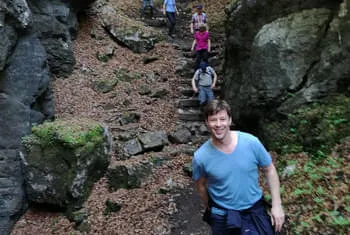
(314, 129)
(70, 133)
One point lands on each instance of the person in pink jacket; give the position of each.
(202, 43)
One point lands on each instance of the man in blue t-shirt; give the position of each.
(169, 9)
(225, 171)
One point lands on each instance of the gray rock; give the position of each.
(15, 122)
(126, 31)
(128, 176)
(19, 11)
(288, 171)
(105, 85)
(60, 56)
(153, 141)
(28, 80)
(278, 61)
(132, 147)
(184, 67)
(180, 136)
(8, 41)
(12, 196)
(61, 166)
(161, 93)
(54, 31)
(127, 118)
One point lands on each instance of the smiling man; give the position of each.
(225, 171)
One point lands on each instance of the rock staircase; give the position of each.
(188, 103)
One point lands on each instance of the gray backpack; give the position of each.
(205, 78)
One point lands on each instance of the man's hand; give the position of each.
(195, 89)
(213, 86)
(277, 217)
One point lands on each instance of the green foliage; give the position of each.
(74, 134)
(317, 197)
(111, 207)
(314, 129)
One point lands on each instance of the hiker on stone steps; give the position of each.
(199, 17)
(202, 43)
(144, 5)
(169, 9)
(203, 82)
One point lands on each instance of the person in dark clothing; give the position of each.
(144, 5)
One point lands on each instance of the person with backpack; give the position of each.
(198, 18)
(202, 43)
(144, 5)
(203, 82)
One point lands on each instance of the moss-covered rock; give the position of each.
(125, 75)
(62, 160)
(105, 85)
(314, 128)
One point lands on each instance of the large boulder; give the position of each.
(296, 54)
(127, 32)
(63, 159)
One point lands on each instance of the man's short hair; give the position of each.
(199, 6)
(216, 106)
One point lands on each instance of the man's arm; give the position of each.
(193, 44)
(163, 10)
(194, 87)
(202, 189)
(191, 27)
(277, 213)
(215, 79)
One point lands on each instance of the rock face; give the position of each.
(62, 160)
(125, 31)
(296, 54)
(36, 41)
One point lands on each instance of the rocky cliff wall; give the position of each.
(35, 43)
(283, 54)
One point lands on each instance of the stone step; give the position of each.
(188, 81)
(190, 115)
(185, 103)
(188, 92)
(191, 54)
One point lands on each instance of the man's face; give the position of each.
(199, 10)
(219, 125)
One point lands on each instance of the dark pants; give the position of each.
(201, 55)
(254, 221)
(172, 21)
(144, 5)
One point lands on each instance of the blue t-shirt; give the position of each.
(170, 5)
(232, 178)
